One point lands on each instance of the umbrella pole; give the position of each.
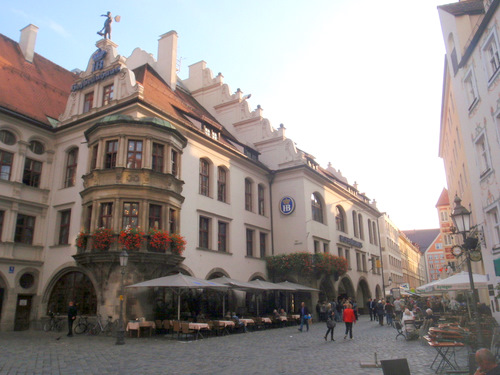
(179, 306)
(223, 304)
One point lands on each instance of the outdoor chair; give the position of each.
(411, 331)
(159, 326)
(167, 324)
(399, 329)
(176, 325)
(395, 366)
(185, 330)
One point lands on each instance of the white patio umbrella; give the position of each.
(266, 285)
(179, 283)
(429, 287)
(460, 281)
(298, 288)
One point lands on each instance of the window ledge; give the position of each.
(214, 251)
(493, 77)
(473, 105)
(485, 173)
(252, 257)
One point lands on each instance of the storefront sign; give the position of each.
(287, 205)
(94, 79)
(350, 241)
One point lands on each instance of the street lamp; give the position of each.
(461, 220)
(120, 333)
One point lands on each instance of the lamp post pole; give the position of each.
(120, 333)
(461, 219)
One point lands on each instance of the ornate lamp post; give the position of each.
(461, 220)
(120, 334)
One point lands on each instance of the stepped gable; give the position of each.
(36, 90)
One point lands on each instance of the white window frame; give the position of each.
(470, 88)
(493, 215)
(482, 154)
(491, 44)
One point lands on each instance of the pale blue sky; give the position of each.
(356, 83)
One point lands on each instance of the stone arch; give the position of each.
(257, 275)
(4, 289)
(216, 272)
(378, 292)
(327, 290)
(362, 294)
(70, 284)
(345, 287)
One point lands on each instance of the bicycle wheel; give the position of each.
(80, 328)
(94, 330)
(59, 325)
(46, 327)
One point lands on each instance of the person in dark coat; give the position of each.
(380, 312)
(330, 322)
(71, 317)
(304, 316)
(369, 307)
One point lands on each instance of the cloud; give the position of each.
(59, 29)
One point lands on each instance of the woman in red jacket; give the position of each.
(349, 319)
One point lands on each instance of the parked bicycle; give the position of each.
(56, 323)
(108, 328)
(83, 325)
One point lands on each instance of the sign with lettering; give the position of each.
(95, 78)
(350, 241)
(287, 205)
(98, 58)
(11, 269)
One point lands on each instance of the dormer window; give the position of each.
(251, 154)
(211, 132)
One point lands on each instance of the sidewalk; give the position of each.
(273, 351)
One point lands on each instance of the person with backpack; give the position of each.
(330, 322)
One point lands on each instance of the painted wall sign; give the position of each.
(350, 241)
(98, 58)
(287, 205)
(11, 269)
(94, 79)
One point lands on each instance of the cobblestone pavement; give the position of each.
(272, 351)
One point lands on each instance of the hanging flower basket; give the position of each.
(102, 239)
(306, 264)
(159, 240)
(178, 244)
(131, 238)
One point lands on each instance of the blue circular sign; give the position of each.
(287, 205)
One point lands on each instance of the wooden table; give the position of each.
(225, 324)
(198, 327)
(247, 321)
(136, 326)
(445, 354)
(266, 320)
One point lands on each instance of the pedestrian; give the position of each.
(369, 307)
(304, 316)
(374, 309)
(330, 322)
(398, 308)
(349, 319)
(389, 313)
(380, 312)
(71, 317)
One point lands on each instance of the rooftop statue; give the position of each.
(106, 30)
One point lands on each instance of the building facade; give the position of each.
(125, 145)
(391, 254)
(470, 131)
(412, 262)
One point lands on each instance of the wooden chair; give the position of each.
(176, 325)
(185, 330)
(159, 326)
(167, 326)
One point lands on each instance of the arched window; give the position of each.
(204, 177)
(317, 207)
(221, 184)
(340, 219)
(76, 287)
(7, 137)
(361, 229)
(355, 223)
(71, 164)
(375, 233)
(248, 194)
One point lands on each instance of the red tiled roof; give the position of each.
(37, 90)
(443, 200)
(464, 7)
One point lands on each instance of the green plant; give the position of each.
(178, 244)
(159, 240)
(306, 264)
(82, 240)
(131, 238)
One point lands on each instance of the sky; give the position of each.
(357, 84)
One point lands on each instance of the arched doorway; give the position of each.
(327, 290)
(345, 288)
(73, 286)
(362, 294)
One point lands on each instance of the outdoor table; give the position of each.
(198, 327)
(444, 353)
(225, 324)
(295, 316)
(247, 321)
(136, 326)
(266, 320)
(283, 318)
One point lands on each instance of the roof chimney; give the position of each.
(27, 42)
(167, 58)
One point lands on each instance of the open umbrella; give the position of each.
(460, 281)
(298, 287)
(266, 285)
(235, 284)
(179, 283)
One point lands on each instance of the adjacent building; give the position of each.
(126, 144)
(470, 125)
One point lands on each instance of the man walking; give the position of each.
(369, 306)
(71, 317)
(398, 308)
(304, 316)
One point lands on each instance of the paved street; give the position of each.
(273, 351)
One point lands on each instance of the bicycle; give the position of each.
(108, 328)
(83, 325)
(55, 323)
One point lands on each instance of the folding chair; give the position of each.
(399, 328)
(395, 366)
